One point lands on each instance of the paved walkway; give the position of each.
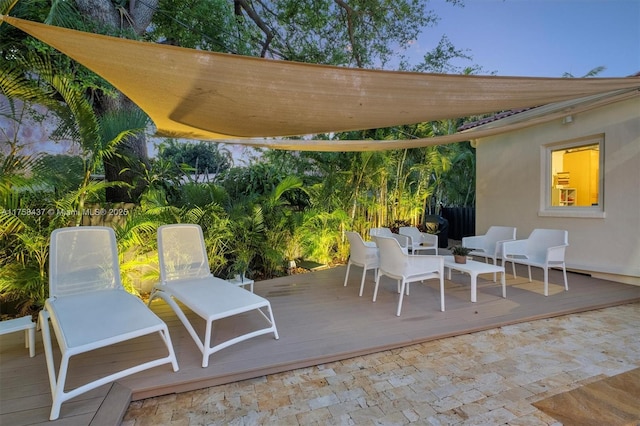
(486, 378)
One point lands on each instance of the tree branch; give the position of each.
(253, 15)
(350, 29)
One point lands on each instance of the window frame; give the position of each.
(546, 181)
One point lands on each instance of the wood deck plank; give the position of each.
(319, 320)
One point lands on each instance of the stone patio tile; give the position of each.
(342, 379)
(391, 419)
(422, 385)
(140, 411)
(424, 411)
(350, 394)
(345, 408)
(381, 386)
(444, 419)
(403, 392)
(401, 381)
(394, 405)
(323, 401)
(453, 388)
(321, 415)
(292, 410)
(521, 408)
(495, 417)
(531, 420)
(366, 415)
(373, 399)
(421, 396)
(411, 415)
(470, 410)
(526, 378)
(445, 404)
(469, 396)
(270, 402)
(342, 420)
(304, 397)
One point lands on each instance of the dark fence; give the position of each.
(462, 221)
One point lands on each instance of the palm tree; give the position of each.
(594, 72)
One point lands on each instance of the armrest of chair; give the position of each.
(556, 254)
(431, 239)
(499, 247)
(475, 242)
(514, 248)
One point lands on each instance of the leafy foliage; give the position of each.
(194, 159)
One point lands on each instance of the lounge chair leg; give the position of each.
(564, 274)
(207, 344)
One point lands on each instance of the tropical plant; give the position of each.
(200, 159)
(248, 239)
(460, 250)
(137, 249)
(24, 229)
(323, 235)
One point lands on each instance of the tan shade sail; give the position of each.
(204, 95)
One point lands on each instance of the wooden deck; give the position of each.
(319, 321)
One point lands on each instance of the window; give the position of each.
(573, 181)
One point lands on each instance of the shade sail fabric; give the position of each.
(214, 96)
(381, 145)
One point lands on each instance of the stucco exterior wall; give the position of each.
(509, 175)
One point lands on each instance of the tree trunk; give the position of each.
(133, 148)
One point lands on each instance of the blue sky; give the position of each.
(541, 38)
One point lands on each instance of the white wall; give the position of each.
(508, 189)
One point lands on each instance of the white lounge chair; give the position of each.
(397, 264)
(361, 253)
(545, 248)
(418, 240)
(186, 278)
(489, 245)
(89, 309)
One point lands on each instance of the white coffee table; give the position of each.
(474, 269)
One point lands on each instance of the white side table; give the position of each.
(19, 324)
(242, 282)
